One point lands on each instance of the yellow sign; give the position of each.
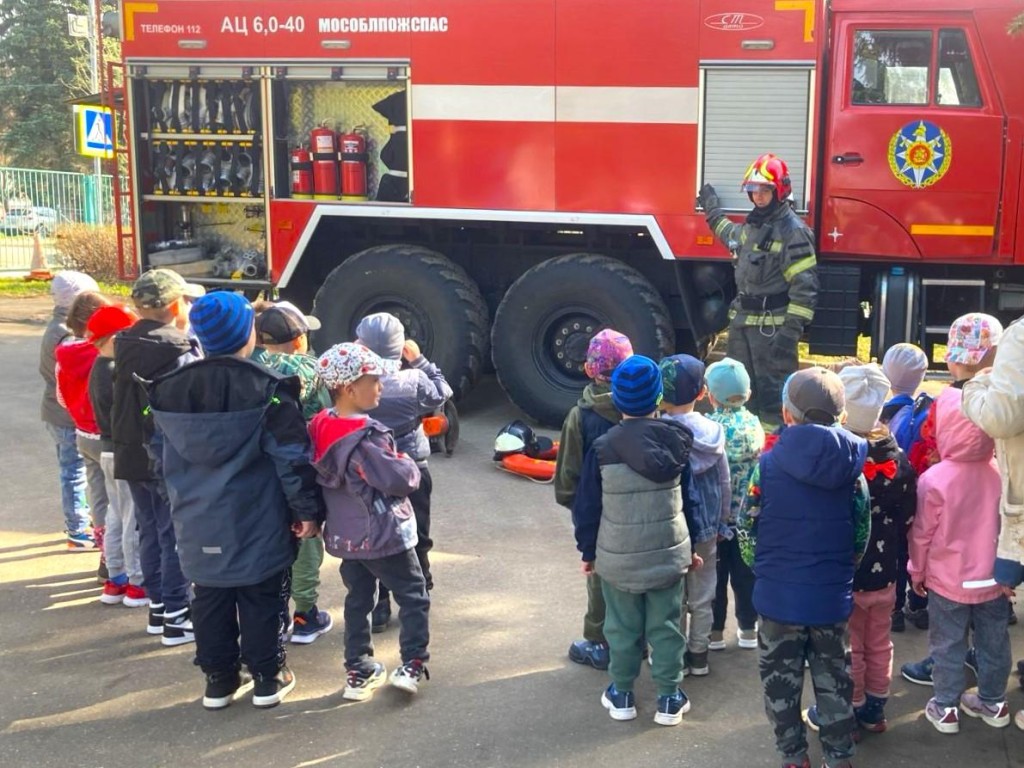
(94, 131)
(807, 6)
(130, 9)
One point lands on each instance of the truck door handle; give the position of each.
(848, 158)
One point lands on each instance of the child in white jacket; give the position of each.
(994, 401)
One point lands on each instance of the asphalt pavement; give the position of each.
(83, 685)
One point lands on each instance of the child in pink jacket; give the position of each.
(952, 551)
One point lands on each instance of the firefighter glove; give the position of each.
(790, 332)
(708, 199)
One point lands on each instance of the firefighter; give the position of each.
(776, 280)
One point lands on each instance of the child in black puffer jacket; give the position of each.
(893, 486)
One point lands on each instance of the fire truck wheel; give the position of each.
(547, 317)
(437, 302)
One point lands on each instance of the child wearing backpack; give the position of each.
(904, 414)
(904, 365)
(728, 389)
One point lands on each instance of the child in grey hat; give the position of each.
(415, 391)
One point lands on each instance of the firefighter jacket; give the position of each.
(776, 269)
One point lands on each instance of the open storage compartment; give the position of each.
(341, 133)
(200, 169)
(215, 143)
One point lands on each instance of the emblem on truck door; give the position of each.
(920, 154)
(734, 22)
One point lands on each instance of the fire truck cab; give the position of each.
(509, 177)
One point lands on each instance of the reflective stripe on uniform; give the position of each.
(758, 319)
(799, 266)
(721, 226)
(800, 311)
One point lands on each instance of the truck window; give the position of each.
(891, 67)
(956, 84)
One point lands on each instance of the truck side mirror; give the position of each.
(111, 23)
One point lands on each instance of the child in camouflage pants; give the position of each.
(803, 528)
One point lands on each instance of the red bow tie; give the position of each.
(886, 469)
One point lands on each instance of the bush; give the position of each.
(88, 248)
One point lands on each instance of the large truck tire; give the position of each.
(437, 302)
(546, 319)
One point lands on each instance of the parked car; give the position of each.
(48, 220)
(22, 221)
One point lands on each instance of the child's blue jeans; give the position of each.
(72, 479)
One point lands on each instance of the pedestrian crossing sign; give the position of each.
(94, 131)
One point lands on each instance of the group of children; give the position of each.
(212, 460)
(214, 451)
(821, 527)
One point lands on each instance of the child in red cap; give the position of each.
(121, 542)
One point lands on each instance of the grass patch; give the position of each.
(19, 288)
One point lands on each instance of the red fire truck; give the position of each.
(509, 176)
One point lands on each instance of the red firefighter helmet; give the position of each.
(768, 170)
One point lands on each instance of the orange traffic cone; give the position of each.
(39, 270)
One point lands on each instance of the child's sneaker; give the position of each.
(361, 684)
(155, 626)
(222, 688)
(102, 572)
(747, 638)
(671, 708)
(135, 597)
(178, 628)
(270, 690)
(812, 719)
(113, 593)
(871, 714)
(918, 618)
(586, 652)
(918, 672)
(898, 622)
(1018, 719)
(717, 642)
(945, 719)
(308, 626)
(81, 542)
(407, 677)
(621, 705)
(997, 715)
(695, 663)
(805, 763)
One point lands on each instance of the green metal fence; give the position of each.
(39, 202)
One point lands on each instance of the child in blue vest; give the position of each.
(632, 528)
(803, 529)
(591, 417)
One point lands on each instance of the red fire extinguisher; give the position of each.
(301, 161)
(323, 142)
(353, 164)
